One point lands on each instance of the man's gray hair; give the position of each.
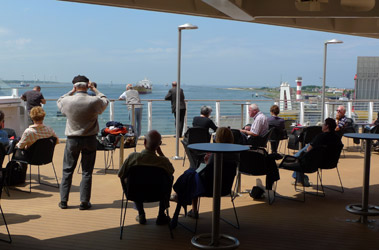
(206, 110)
(81, 85)
(254, 107)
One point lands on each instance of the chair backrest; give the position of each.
(2, 155)
(2, 179)
(288, 124)
(229, 170)
(238, 137)
(375, 130)
(10, 132)
(277, 134)
(314, 159)
(332, 157)
(42, 151)
(254, 162)
(198, 135)
(147, 184)
(260, 141)
(309, 133)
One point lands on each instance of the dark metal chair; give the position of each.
(257, 162)
(39, 153)
(145, 184)
(2, 179)
(229, 170)
(195, 135)
(277, 135)
(307, 163)
(259, 141)
(332, 157)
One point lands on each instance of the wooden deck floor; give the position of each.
(36, 222)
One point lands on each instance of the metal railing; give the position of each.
(233, 113)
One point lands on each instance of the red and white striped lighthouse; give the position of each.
(299, 81)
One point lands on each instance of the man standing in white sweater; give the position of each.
(82, 127)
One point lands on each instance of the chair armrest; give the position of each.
(290, 162)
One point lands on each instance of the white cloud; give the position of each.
(18, 43)
(3, 31)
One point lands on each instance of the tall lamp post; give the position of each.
(186, 26)
(333, 41)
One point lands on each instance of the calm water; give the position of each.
(163, 119)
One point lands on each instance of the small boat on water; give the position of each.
(144, 86)
(22, 84)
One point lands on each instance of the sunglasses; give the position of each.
(338, 110)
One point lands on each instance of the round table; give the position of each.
(219, 149)
(364, 209)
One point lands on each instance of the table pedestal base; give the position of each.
(357, 209)
(224, 242)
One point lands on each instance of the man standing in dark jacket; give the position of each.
(171, 95)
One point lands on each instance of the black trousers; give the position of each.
(181, 121)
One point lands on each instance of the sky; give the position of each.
(54, 41)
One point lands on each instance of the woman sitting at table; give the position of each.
(203, 120)
(195, 183)
(36, 131)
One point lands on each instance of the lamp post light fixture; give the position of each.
(333, 41)
(186, 26)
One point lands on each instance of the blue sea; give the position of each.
(162, 118)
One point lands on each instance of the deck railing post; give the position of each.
(370, 111)
(185, 119)
(149, 115)
(247, 116)
(218, 113)
(111, 111)
(349, 109)
(302, 110)
(326, 111)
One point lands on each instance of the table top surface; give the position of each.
(218, 147)
(366, 136)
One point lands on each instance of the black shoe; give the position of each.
(141, 219)
(162, 220)
(193, 214)
(85, 205)
(63, 204)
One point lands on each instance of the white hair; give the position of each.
(254, 107)
(81, 85)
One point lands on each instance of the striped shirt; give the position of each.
(33, 133)
(260, 124)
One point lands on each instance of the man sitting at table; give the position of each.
(259, 127)
(328, 138)
(341, 118)
(152, 155)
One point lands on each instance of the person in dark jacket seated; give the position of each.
(328, 138)
(203, 120)
(195, 183)
(275, 122)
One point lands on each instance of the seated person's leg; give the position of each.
(162, 218)
(141, 217)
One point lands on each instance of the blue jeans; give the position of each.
(297, 175)
(74, 146)
(138, 120)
